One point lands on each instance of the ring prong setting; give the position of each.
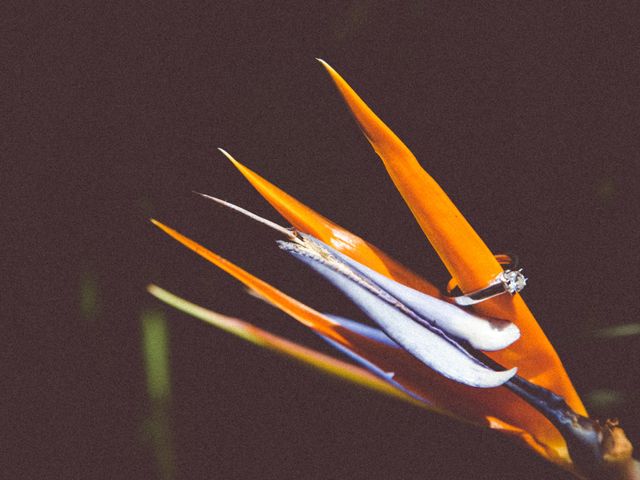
(513, 280)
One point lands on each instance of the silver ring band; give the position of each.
(508, 281)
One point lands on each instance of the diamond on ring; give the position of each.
(513, 281)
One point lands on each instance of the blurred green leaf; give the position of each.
(155, 341)
(604, 399)
(618, 331)
(89, 296)
(155, 337)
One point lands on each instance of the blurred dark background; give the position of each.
(526, 113)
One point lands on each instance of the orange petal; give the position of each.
(262, 338)
(304, 314)
(308, 221)
(468, 259)
(387, 358)
(467, 403)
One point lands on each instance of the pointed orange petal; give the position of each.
(301, 312)
(308, 221)
(451, 235)
(468, 259)
(262, 338)
(445, 396)
(385, 357)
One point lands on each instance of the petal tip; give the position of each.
(324, 64)
(230, 157)
(225, 153)
(334, 75)
(497, 339)
(501, 378)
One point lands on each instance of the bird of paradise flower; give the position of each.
(490, 364)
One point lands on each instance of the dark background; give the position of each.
(526, 114)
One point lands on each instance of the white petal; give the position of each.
(433, 350)
(481, 333)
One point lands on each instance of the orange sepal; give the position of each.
(308, 221)
(466, 403)
(469, 261)
(301, 312)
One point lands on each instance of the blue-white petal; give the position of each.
(481, 333)
(433, 349)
